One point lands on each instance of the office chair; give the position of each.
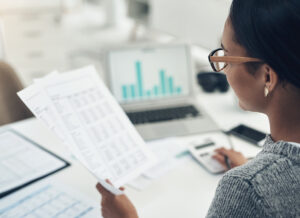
(11, 107)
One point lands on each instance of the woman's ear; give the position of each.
(270, 78)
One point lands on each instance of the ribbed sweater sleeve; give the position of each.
(235, 197)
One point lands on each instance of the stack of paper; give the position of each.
(79, 108)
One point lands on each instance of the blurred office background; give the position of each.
(41, 36)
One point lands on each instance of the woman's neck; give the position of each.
(286, 130)
(284, 118)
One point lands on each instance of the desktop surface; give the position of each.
(165, 197)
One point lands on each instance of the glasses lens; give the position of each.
(219, 65)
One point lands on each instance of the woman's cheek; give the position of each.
(237, 84)
(230, 79)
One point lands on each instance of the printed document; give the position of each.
(79, 108)
(48, 199)
(22, 161)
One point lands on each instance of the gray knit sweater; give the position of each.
(267, 186)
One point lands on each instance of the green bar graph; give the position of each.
(155, 90)
(132, 89)
(162, 81)
(165, 87)
(124, 91)
(139, 78)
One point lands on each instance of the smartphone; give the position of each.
(249, 134)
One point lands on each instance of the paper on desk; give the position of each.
(140, 183)
(97, 130)
(21, 161)
(47, 198)
(170, 152)
(166, 150)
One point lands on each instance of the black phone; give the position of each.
(249, 134)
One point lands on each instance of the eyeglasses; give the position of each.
(219, 61)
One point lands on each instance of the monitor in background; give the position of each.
(197, 21)
(149, 73)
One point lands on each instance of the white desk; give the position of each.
(186, 191)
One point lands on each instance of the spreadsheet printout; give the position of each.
(42, 108)
(21, 161)
(48, 199)
(99, 132)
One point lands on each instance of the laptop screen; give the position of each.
(149, 73)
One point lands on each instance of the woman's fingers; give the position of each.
(224, 151)
(230, 153)
(108, 181)
(115, 205)
(100, 188)
(221, 159)
(103, 190)
(236, 158)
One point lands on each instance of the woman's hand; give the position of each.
(235, 158)
(115, 206)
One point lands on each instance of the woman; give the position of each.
(260, 56)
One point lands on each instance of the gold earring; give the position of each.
(266, 91)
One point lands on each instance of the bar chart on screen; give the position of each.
(165, 86)
(155, 73)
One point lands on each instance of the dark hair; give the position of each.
(270, 30)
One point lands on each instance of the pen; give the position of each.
(229, 138)
(227, 161)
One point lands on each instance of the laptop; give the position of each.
(154, 86)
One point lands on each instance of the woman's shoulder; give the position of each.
(274, 157)
(267, 185)
(271, 179)
(253, 167)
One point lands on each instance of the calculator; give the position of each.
(202, 149)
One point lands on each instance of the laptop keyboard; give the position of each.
(151, 116)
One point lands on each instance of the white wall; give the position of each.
(2, 41)
(12, 6)
(198, 21)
